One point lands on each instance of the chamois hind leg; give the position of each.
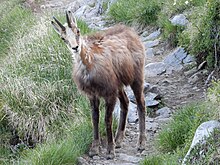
(137, 88)
(123, 117)
(94, 150)
(110, 104)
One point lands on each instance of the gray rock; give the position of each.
(73, 6)
(202, 132)
(179, 20)
(96, 157)
(151, 103)
(150, 44)
(149, 53)
(132, 112)
(154, 69)
(174, 61)
(153, 35)
(188, 59)
(151, 96)
(164, 112)
(128, 158)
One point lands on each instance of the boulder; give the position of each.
(202, 132)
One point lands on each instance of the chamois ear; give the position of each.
(71, 19)
(58, 27)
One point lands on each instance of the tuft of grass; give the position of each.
(133, 11)
(184, 122)
(64, 151)
(11, 21)
(162, 159)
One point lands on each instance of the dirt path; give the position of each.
(175, 88)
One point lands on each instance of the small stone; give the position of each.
(179, 20)
(163, 112)
(149, 53)
(153, 35)
(96, 157)
(151, 96)
(150, 44)
(151, 103)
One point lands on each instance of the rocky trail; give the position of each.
(172, 80)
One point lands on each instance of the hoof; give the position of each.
(141, 144)
(118, 139)
(110, 155)
(110, 151)
(94, 150)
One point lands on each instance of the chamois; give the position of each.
(105, 62)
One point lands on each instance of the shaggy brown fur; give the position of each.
(105, 63)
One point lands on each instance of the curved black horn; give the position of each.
(68, 20)
(62, 27)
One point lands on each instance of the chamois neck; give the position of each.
(84, 55)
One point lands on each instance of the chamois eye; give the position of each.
(78, 31)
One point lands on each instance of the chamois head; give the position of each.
(69, 32)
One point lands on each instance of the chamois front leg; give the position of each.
(94, 150)
(110, 104)
(123, 117)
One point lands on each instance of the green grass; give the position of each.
(184, 123)
(133, 11)
(37, 91)
(16, 18)
(64, 151)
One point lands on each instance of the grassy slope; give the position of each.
(41, 101)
